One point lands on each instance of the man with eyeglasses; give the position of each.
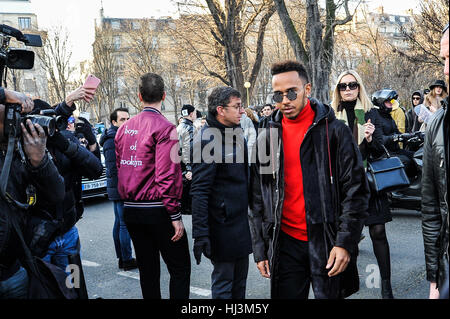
(219, 190)
(310, 199)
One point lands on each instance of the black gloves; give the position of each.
(86, 129)
(58, 141)
(202, 245)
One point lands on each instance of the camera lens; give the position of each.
(47, 123)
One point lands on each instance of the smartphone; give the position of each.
(91, 82)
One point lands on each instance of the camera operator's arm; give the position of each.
(43, 171)
(86, 129)
(8, 96)
(81, 159)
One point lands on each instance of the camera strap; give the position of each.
(4, 177)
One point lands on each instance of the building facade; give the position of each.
(19, 14)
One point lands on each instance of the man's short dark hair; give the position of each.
(151, 87)
(221, 96)
(288, 66)
(113, 116)
(271, 106)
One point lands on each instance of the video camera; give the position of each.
(10, 117)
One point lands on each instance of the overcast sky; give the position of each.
(78, 16)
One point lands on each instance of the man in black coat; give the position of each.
(121, 237)
(220, 195)
(73, 161)
(435, 226)
(309, 195)
(23, 174)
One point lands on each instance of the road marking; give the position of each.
(194, 290)
(129, 274)
(201, 291)
(88, 263)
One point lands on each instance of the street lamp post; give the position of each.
(247, 86)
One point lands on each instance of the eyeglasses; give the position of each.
(351, 85)
(238, 107)
(416, 98)
(290, 94)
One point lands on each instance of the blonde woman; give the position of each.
(438, 92)
(352, 106)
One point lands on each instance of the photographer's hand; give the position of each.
(19, 98)
(80, 93)
(34, 143)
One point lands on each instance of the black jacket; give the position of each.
(48, 183)
(412, 120)
(435, 195)
(109, 151)
(385, 127)
(334, 212)
(220, 194)
(74, 163)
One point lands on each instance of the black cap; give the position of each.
(440, 83)
(187, 109)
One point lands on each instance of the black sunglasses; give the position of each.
(416, 98)
(351, 86)
(278, 96)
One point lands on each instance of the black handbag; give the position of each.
(386, 174)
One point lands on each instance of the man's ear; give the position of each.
(164, 96)
(308, 88)
(140, 97)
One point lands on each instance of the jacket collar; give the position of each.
(213, 122)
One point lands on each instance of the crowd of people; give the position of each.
(285, 182)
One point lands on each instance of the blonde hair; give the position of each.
(251, 115)
(362, 95)
(430, 98)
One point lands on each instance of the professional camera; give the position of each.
(10, 117)
(16, 58)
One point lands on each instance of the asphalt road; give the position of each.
(105, 280)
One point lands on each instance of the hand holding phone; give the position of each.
(91, 84)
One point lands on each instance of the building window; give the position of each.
(117, 42)
(115, 25)
(136, 25)
(24, 23)
(392, 18)
(402, 19)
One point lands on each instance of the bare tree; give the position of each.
(104, 67)
(425, 35)
(56, 60)
(315, 50)
(231, 24)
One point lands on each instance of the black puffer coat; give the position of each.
(48, 183)
(335, 212)
(73, 164)
(435, 195)
(109, 151)
(385, 127)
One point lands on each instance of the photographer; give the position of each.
(73, 161)
(37, 170)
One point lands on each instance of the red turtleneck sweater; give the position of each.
(293, 218)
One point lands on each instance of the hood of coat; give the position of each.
(421, 97)
(108, 133)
